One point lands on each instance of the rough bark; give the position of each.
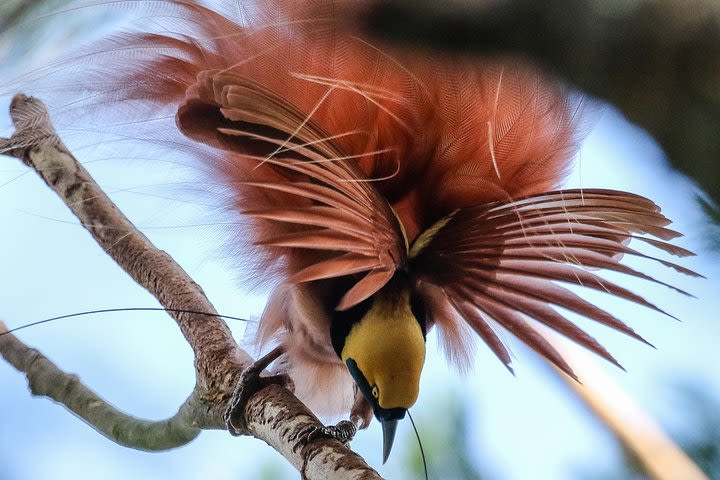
(273, 414)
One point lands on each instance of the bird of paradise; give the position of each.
(386, 192)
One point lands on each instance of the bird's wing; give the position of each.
(310, 203)
(501, 264)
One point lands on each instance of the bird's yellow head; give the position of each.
(382, 342)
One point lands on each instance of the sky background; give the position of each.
(527, 426)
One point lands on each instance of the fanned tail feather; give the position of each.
(501, 263)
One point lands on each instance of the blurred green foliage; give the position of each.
(712, 211)
(14, 12)
(32, 32)
(700, 437)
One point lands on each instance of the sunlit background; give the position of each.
(487, 425)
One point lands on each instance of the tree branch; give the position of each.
(272, 414)
(658, 61)
(47, 380)
(661, 458)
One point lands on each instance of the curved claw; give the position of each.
(344, 432)
(250, 383)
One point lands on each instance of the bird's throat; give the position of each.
(388, 345)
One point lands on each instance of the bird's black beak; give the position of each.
(389, 428)
(388, 417)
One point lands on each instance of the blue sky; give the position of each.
(526, 426)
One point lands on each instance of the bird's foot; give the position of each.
(344, 432)
(250, 383)
(361, 413)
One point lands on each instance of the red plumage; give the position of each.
(334, 145)
(442, 134)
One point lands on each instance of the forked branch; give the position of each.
(273, 414)
(47, 380)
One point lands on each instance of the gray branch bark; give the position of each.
(273, 414)
(658, 61)
(47, 380)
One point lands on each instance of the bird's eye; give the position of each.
(375, 391)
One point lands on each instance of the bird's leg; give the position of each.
(361, 413)
(251, 382)
(345, 430)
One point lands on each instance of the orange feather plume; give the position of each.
(342, 151)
